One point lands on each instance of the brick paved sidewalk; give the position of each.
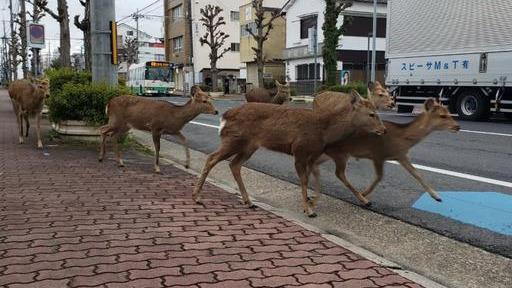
(67, 221)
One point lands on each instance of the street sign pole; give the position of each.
(374, 35)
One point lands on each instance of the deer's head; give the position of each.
(365, 117)
(43, 85)
(203, 101)
(439, 117)
(283, 93)
(379, 96)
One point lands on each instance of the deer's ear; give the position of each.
(278, 84)
(194, 90)
(371, 86)
(356, 97)
(429, 104)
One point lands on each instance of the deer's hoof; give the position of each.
(100, 160)
(312, 215)
(369, 204)
(438, 200)
(252, 206)
(187, 167)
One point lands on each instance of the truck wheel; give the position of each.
(472, 106)
(404, 109)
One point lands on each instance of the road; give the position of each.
(477, 159)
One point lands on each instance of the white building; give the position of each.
(150, 47)
(229, 65)
(353, 45)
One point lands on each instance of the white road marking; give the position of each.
(460, 175)
(426, 168)
(487, 133)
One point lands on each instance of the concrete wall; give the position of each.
(175, 28)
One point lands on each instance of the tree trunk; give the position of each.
(23, 36)
(260, 59)
(65, 38)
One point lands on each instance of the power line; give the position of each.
(139, 10)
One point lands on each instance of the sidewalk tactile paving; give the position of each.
(68, 221)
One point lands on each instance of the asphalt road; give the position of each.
(481, 149)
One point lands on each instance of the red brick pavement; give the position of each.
(67, 221)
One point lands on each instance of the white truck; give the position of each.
(459, 51)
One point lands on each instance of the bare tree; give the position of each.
(130, 52)
(215, 38)
(263, 26)
(85, 26)
(22, 31)
(14, 48)
(62, 16)
(36, 15)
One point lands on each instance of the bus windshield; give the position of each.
(158, 73)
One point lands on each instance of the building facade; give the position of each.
(274, 68)
(183, 29)
(151, 48)
(354, 45)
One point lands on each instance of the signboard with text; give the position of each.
(35, 36)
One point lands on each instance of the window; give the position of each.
(177, 13)
(362, 26)
(307, 72)
(235, 15)
(305, 24)
(243, 29)
(177, 44)
(248, 13)
(235, 47)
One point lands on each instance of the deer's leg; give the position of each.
(341, 165)
(316, 176)
(224, 152)
(156, 142)
(236, 169)
(104, 131)
(408, 166)
(20, 127)
(302, 171)
(38, 130)
(379, 171)
(27, 125)
(115, 143)
(184, 142)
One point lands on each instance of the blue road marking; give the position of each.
(489, 210)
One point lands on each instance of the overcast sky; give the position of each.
(151, 25)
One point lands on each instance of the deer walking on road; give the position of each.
(394, 145)
(262, 95)
(157, 117)
(27, 99)
(302, 133)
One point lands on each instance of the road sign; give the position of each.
(35, 35)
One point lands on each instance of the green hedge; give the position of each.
(360, 87)
(59, 77)
(84, 102)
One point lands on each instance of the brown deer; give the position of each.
(302, 133)
(377, 94)
(262, 95)
(157, 117)
(27, 99)
(394, 145)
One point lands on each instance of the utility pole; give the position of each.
(5, 55)
(374, 51)
(23, 36)
(136, 16)
(13, 53)
(102, 14)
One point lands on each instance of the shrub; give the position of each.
(83, 102)
(360, 87)
(59, 77)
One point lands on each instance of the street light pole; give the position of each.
(102, 14)
(374, 54)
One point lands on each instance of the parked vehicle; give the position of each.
(151, 78)
(459, 51)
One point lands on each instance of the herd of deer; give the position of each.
(338, 127)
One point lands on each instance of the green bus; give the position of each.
(152, 78)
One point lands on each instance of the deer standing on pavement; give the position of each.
(302, 133)
(27, 99)
(262, 95)
(394, 145)
(157, 117)
(377, 94)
